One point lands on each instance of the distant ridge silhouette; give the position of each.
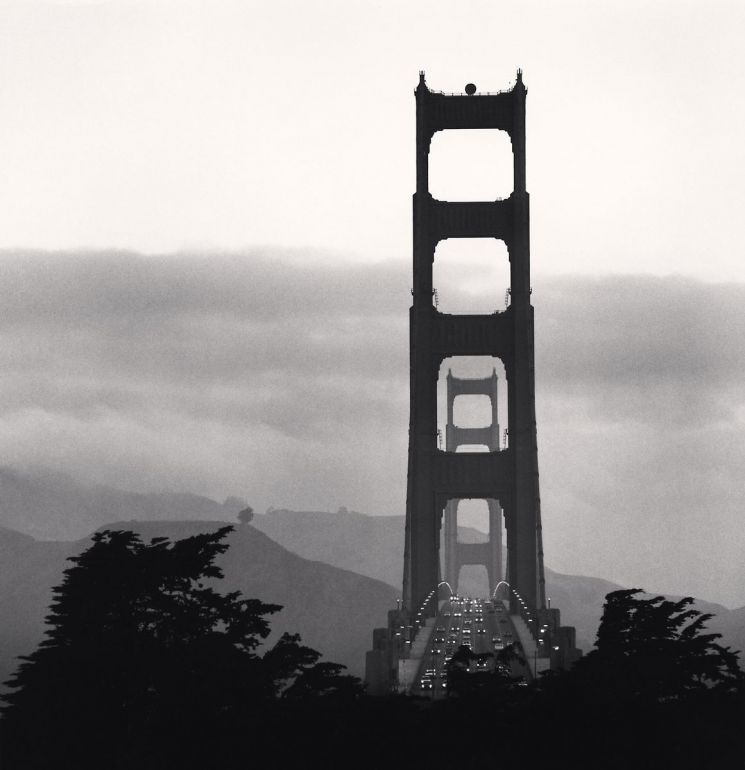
(316, 597)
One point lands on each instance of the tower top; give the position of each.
(470, 89)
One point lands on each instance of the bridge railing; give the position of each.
(544, 626)
(407, 631)
(534, 619)
(525, 612)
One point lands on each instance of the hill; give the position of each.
(333, 609)
(53, 506)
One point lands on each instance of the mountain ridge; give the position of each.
(35, 506)
(332, 609)
(53, 506)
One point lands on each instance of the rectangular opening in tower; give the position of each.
(471, 164)
(473, 413)
(471, 276)
(473, 520)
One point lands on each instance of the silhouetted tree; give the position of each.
(246, 515)
(655, 649)
(657, 691)
(141, 653)
(458, 671)
(463, 680)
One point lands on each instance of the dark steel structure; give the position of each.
(505, 477)
(457, 554)
(509, 475)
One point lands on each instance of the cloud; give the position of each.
(286, 382)
(207, 372)
(660, 349)
(640, 388)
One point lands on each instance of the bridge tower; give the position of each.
(509, 475)
(506, 477)
(457, 554)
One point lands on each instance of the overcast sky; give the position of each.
(205, 215)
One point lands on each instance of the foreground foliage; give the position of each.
(142, 650)
(147, 667)
(652, 650)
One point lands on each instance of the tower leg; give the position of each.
(494, 567)
(451, 544)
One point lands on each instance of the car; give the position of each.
(425, 684)
(507, 635)
(481, 630)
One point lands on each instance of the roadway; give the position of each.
(482, 625)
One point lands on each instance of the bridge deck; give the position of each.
(483, 626)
